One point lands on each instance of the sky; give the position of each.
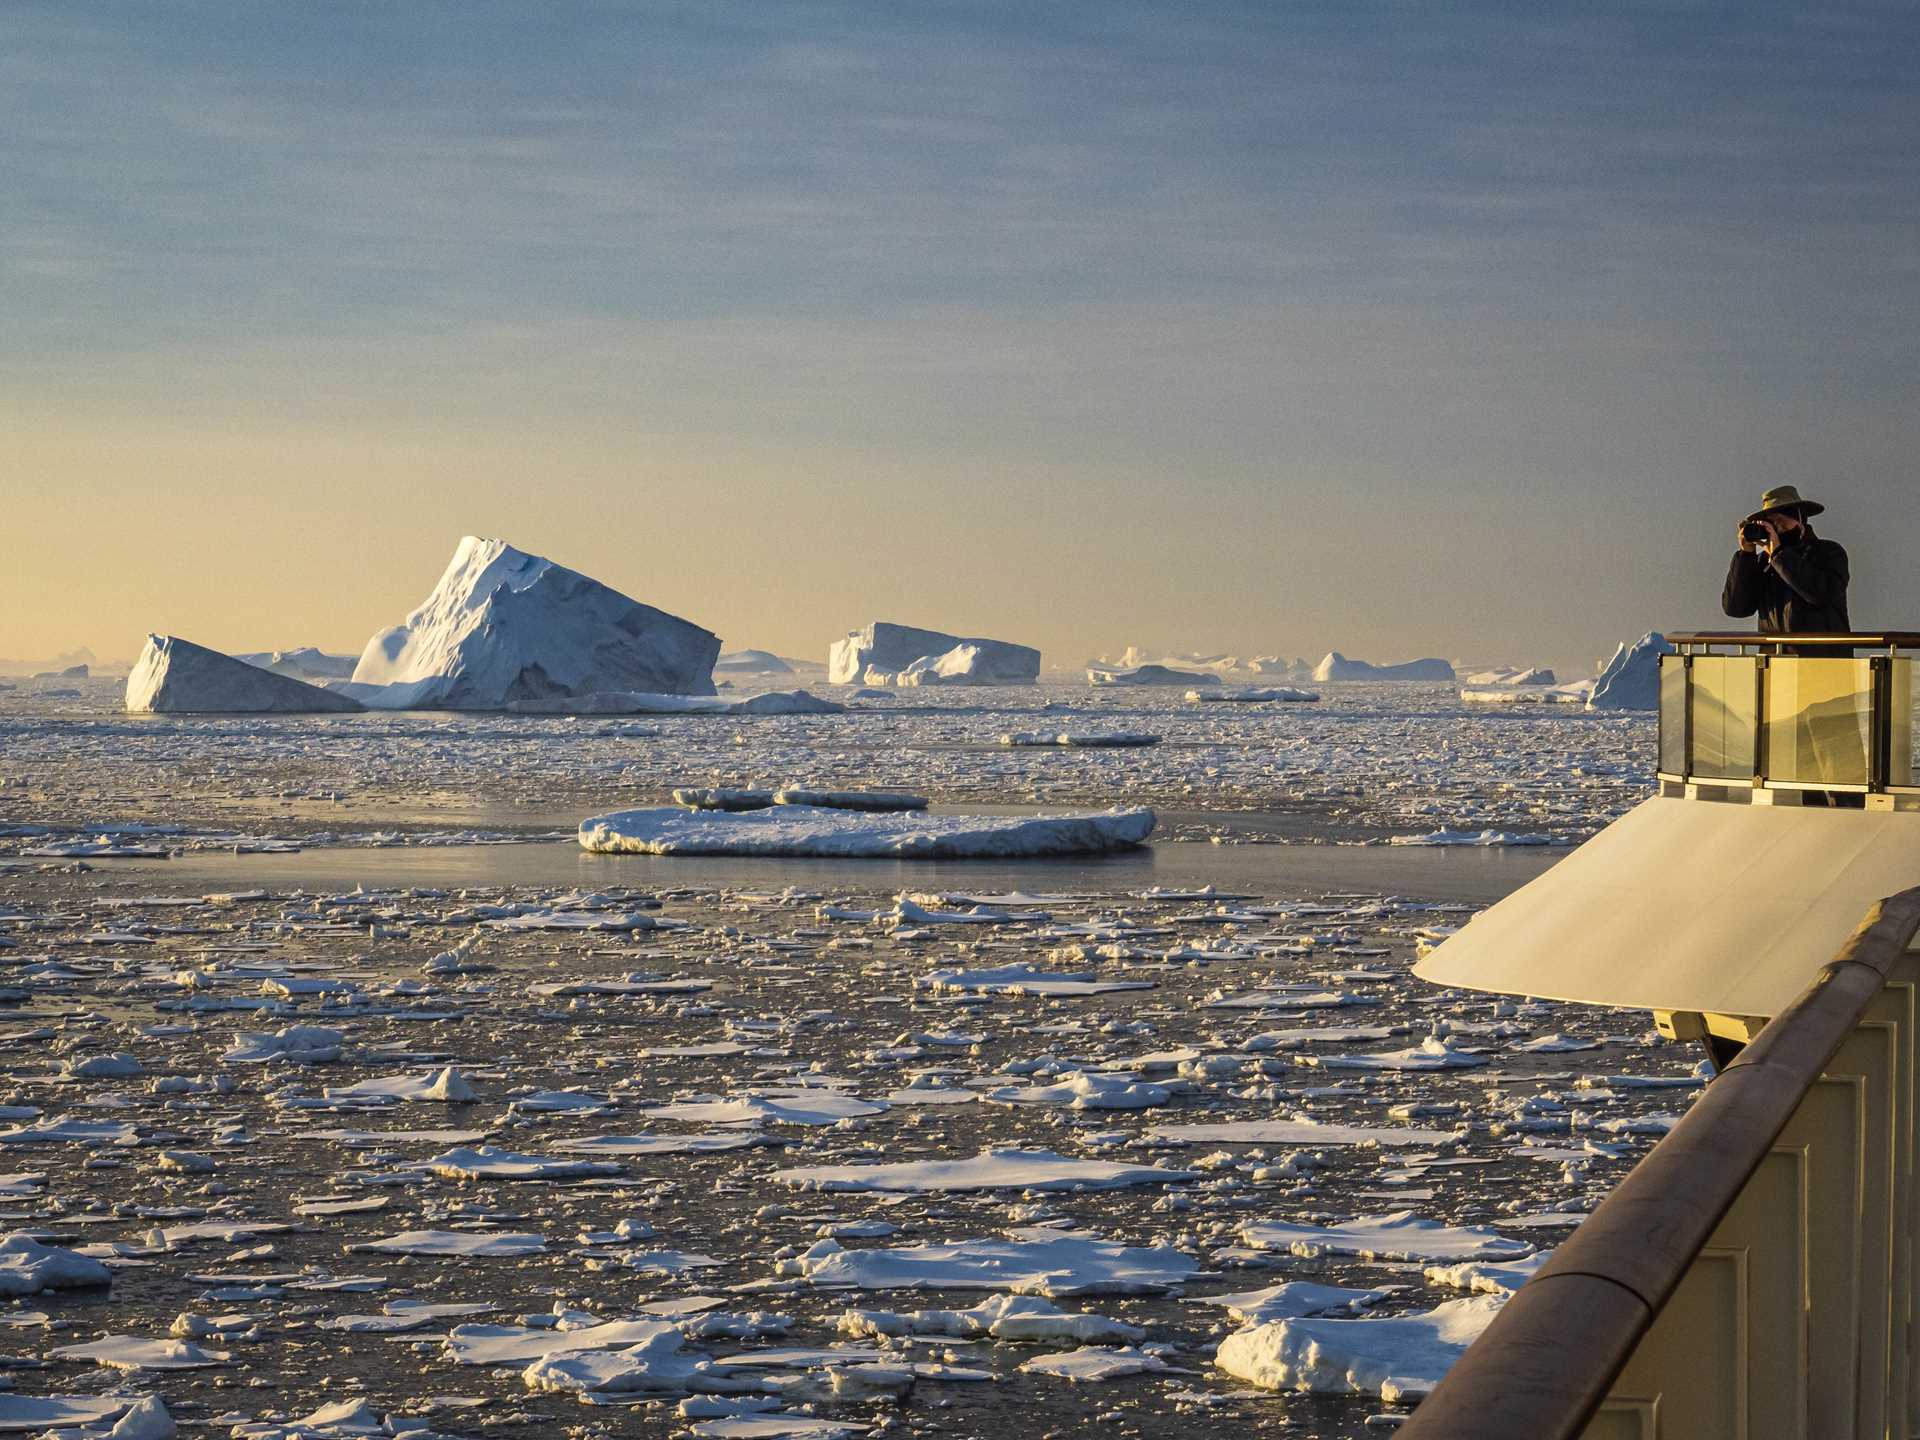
(1394, 328)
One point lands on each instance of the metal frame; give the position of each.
(1765, 650)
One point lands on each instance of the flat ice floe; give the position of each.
(1401, 1235)
(1030, 1262)
(805, 831)
(485, 1162)
(1400, 1357)
(1002, 1317)
(1081, 739)
(989, 1170)
(1293, 1300)
(1433, 1053)
(1298, 1132)
(798, 1106)
(492, 1244)
(1273, 693)
(1023, 979)
(648, 702)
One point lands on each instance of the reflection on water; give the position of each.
(1476, 875)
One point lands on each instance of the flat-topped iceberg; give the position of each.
(1101, 678)
(505, 626)
(808, 831)
(751, 662)
(1631, 679)
(1338, 667)
(888, 654)
(303, 662)
(177, 677)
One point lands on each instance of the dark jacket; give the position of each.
(1802, 590)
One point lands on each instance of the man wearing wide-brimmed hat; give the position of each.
(1784, 573)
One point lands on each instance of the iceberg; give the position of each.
(505, 626)
(888, 654)
(1148, 675)
(177, 677)
(1631, 679)
(1338, 667)
(751, 662)
(304, 662)
(805, 830)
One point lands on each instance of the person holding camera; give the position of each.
(1784, 573)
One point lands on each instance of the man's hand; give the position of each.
(1740, 536)
(1772, 542)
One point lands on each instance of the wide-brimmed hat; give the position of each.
(1786, 497)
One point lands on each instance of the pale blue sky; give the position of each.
(1395, 328)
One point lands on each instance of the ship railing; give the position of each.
(1788, 719)
(1754, 1274)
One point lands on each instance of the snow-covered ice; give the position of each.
(1028, 1262)
(1336, 666)
(1397, 1358)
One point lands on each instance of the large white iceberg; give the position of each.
(1397, 1357)
(1631, 679)
(888, 654)
(177, 677)
(803, 830)
(505, 626)
(1338, 667)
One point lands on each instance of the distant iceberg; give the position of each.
(304, 662)
(177, 677)
(1338, 667)
(1148, 675)
(796, 830)
(1631, 679)
(752, 662)
(505, 626)
(888, 654)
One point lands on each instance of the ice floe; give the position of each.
(989, 1170)
(1398, 1358)
(1400, 1235)
(1027, 1262)
(804, 831)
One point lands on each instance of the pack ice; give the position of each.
(503, 625)
(889, 654)
(177, 677)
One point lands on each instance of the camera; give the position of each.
(1754, 533)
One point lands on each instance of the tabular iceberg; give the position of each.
(1338, 667)
(1149, 675)
(1631, 679)
(799, 830)
(177, 677)
(505, 626)
(304, 662)
(888, 654)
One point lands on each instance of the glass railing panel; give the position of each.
(1726, 716)
(1900, 712)
(1673, 714)
(1819, 720)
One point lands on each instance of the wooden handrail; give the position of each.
(1858, 640)
(1543, 1366)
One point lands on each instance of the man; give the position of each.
(1784, 573)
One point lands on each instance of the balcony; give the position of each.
(1789, 719)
